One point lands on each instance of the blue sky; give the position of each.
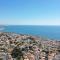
(30, 12)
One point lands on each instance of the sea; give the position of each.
(51, 32)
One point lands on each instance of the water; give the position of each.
(52, 32)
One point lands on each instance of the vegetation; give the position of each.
(17, 53)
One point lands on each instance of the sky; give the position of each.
(29, 12)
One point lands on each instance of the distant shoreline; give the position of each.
(37, 36)
(50, 32)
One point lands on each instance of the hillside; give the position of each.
(27, 47)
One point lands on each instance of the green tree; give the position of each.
(17, 53)
(46, 50)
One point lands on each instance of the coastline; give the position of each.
(50, 32)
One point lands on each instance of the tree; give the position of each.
(46, 50)
(58, 49)
(17, 53)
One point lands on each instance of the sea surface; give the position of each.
(52, 32)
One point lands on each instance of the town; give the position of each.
(15, 46)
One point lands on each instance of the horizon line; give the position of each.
(25, 25)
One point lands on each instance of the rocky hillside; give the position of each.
(28, 47)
